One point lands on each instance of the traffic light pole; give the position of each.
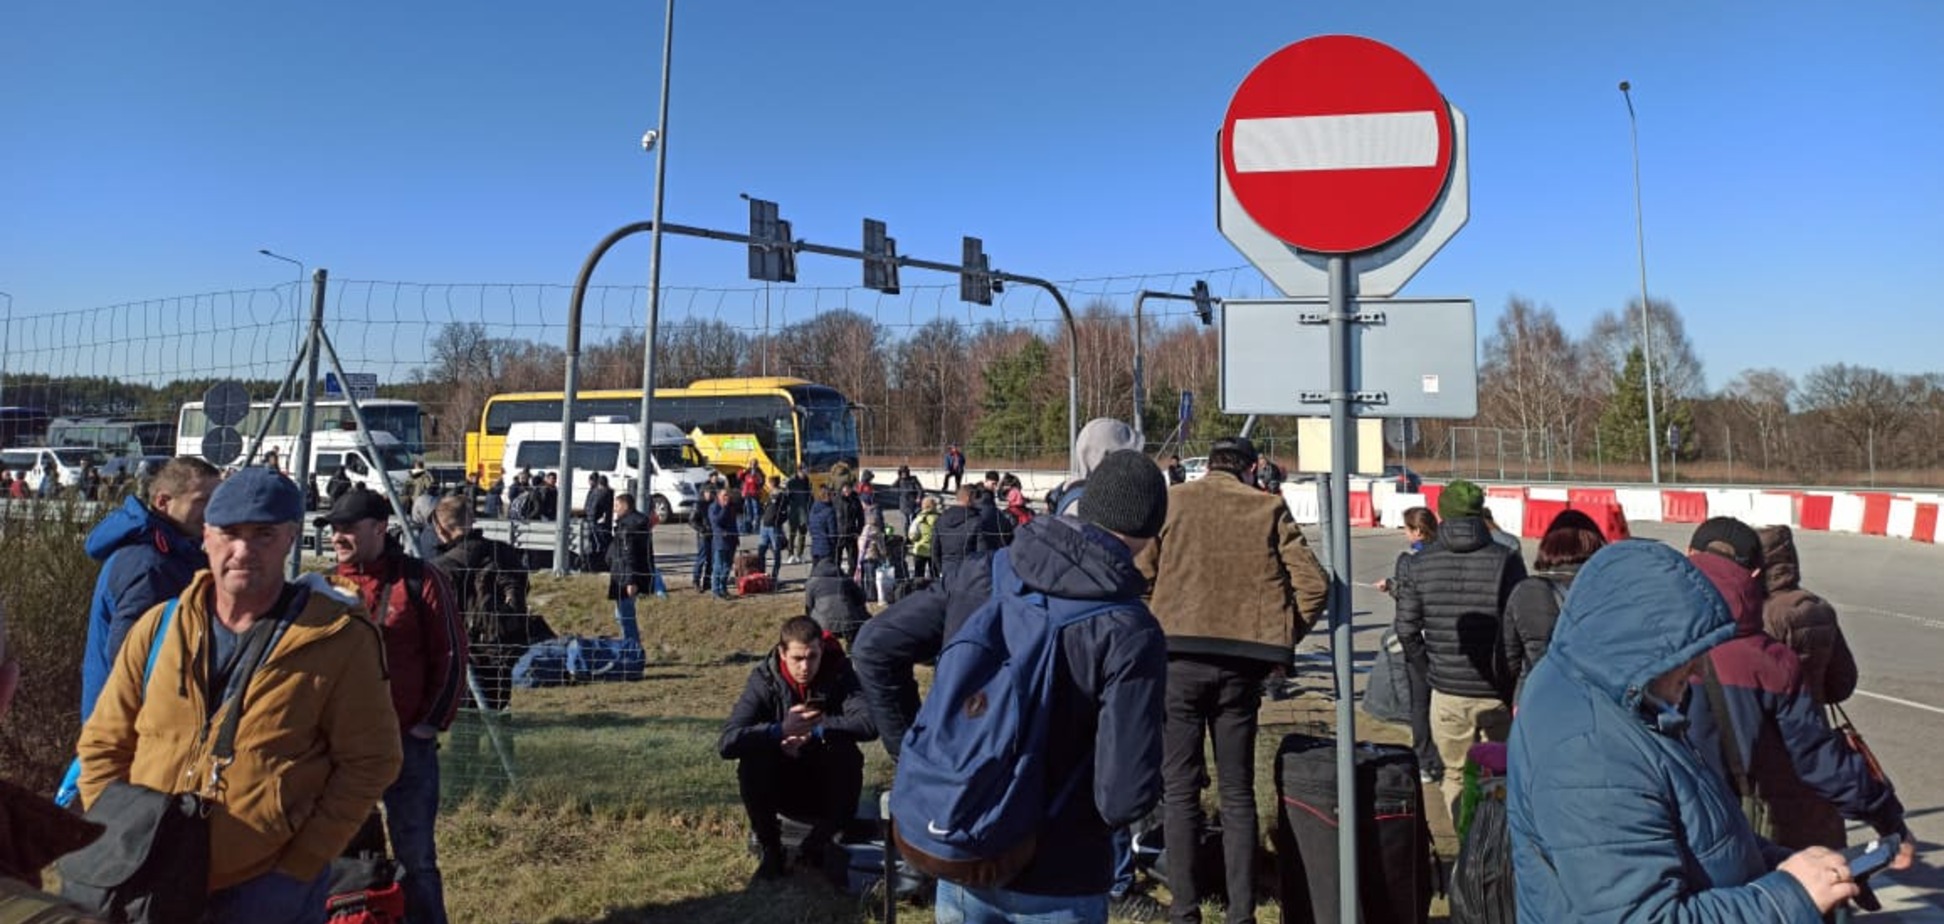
(571, 380)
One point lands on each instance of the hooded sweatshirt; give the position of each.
(145, 560)
(1781, 733)
(1614, 816)
(1804, 622)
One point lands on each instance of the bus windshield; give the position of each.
(829, 435)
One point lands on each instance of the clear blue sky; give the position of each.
(1790, 149)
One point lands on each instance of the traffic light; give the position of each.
(772, 254)
(881, 258)
(1204, 302)
(976, 284)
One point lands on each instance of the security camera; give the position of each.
(648, 139)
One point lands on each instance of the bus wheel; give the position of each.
(662, 509)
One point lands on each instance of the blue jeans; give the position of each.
(411, 811)
(272, 898)
(1123, 862)
(771, 542)
(957, 904)
(700, 575)
(725, 566)
(624, 613)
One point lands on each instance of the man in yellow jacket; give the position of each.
(318, 740)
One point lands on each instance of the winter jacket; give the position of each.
(1792, 756)
(833, 600)
(725, 522)
(776, 510)
(797, 487)
(1107, 720)
(995, 528)
(599, 506)
(823, 530)
(425, 639)
(922, 528)
(1232, 574)
(466, 560)
(1450, 599)
(1530, 614)
(910, 492)
(631, 560)
(756, 721)
(144, 561)
(1804, 622)
(315, 750)
(957, 537)
(1614, 817)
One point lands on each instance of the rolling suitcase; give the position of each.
(1393, 838)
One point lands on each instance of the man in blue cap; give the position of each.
(317, 742)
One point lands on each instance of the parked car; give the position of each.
(1196, 467)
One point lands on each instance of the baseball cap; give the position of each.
(1729, 538)
(354, 505)
(254, 495)
(1236, 444)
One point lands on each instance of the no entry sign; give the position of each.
(1337, 144)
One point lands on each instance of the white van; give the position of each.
(612, 447)
(33, 463)
(332, 450)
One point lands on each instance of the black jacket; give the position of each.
(956, 537)
(833, 600)
(465, 559)
(850, 516)
(1450, 598)
(1530, 614)
(599, 506)
(1107, 722)
(631, 560)
(756, 722)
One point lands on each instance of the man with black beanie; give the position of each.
(1105, 737)
(1235, 587)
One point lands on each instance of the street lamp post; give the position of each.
(6, 344)
(296, 294)
(1646, 321)
(660, 144)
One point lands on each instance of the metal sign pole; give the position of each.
(307, 416)
(1343, 450)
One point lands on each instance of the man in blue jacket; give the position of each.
(823, 529)
(148, 552)
(1614, 816)
(725, 520)
(1107, 721)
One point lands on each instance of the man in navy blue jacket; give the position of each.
(147, 552)
(1780, 737)
(1106, 722)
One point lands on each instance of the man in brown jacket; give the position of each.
(1235, 586)
(1804, 621)
(318, 741)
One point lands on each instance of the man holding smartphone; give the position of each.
(794, 735)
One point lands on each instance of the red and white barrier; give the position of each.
(1901, 523)
(1641, 505)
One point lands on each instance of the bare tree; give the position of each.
(1865, 405)
(1677, 371)
(698, 349)
(1761, 396)
(1530, 378)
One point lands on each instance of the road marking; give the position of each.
(1925, 621)
(1900, 702)
(1365, 141)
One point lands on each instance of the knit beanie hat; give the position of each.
(1126, 493)
(1461, 498)
(1099, 437)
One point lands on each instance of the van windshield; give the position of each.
(395, 457)
(678, 457)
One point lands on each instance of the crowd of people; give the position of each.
(1669, 753)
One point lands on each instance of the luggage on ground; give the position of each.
(572, 659)
(755, 582)
(1394, 862)
(1481, 880)
(1387, 696)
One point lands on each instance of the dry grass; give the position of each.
(624, 813)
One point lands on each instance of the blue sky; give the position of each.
(1790, 149)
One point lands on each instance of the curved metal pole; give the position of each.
(1646, 324)
(571, 387)
(1073, 352)
(644, 495)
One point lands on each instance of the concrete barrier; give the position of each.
(1733, 502)
(1303, 504)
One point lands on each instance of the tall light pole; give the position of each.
(296, 294)
(1646, 321)
(6, 344)
(658, 141)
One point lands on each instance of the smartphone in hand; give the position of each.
(1877, 854)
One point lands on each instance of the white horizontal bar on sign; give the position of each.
(1367, 141)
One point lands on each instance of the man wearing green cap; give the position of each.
(1450, 598)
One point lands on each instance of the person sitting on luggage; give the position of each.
(794, 735)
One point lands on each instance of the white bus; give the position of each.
(402, 419)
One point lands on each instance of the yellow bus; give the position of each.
(784, 424)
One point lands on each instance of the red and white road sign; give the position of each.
(1337, 144)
